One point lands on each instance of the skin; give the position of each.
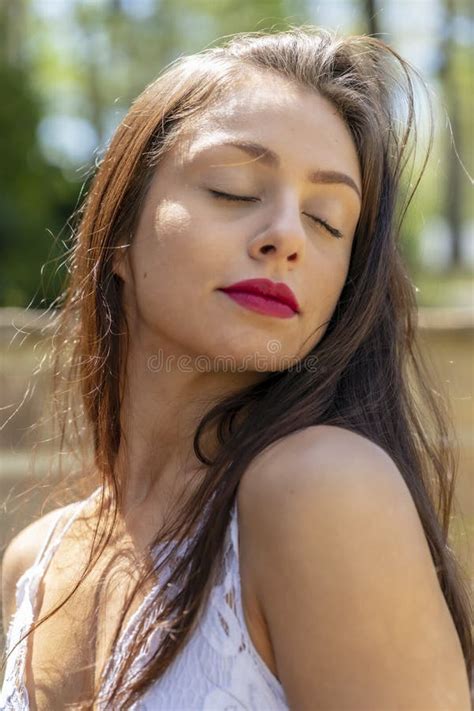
(339, 550)
(189, 244)
(345, 580)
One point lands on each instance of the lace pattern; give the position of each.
(219, 668)
(14, 695)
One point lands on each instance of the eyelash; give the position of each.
(243, 198)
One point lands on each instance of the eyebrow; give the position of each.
(268, 157)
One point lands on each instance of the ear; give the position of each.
(120, 261)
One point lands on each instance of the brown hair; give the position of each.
(371, 379)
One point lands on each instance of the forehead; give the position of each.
(292, 120)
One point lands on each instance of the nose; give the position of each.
(283, 237)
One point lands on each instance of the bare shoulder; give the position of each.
(20, 554)
(344, 577)
(314, 469)
(322, 456)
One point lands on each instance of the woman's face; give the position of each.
(297, 229)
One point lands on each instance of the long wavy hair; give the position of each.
(372, 378)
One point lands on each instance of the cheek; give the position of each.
(327, 278)
(171, 225)
(156, 259)
(162, 246)
(175, 260)
(185, 239)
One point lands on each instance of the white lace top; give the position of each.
(218, 669)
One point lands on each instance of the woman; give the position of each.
(275, 541)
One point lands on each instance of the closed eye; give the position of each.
(228, 196)
(332, 230)
(244, 198)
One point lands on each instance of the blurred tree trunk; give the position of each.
(371, 17)
(12, 23)
(447, 75)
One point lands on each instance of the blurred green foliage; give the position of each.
(85, 61)
(34, 196)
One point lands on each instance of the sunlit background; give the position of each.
(68, 73)
(71, 68)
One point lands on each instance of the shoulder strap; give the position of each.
(27, 584)
(234, 527)
(49, 545)
(48, 537)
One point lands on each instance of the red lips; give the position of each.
(267, 288)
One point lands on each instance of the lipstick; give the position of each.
(264, 296)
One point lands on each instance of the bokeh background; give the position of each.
(69, 70)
